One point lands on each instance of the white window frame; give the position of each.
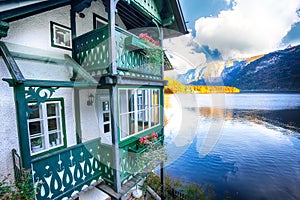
(45, 133)
(145, 108)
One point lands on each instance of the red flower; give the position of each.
(146, 37)
(154, 135)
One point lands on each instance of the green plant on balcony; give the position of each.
(153, 153)
(153, 53)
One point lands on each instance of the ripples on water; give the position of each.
(208, 143)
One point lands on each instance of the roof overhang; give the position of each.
(16, 10)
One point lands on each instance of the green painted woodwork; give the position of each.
(71, 170)
(34, 95)
(21, 104)
(91, 52)
(148, 7)
(135, 63)
(11, 64)
(3, 28)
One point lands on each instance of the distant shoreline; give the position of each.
(270, 91)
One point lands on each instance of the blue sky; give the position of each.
(240, 28)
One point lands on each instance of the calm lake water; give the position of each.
(241, 156)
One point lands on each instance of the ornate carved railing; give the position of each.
(91, 52)
(67, 172)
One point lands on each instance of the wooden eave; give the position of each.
(31, 9)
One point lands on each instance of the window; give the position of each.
(61, 36)
(45, 126)
(139, 110)
(99, 21)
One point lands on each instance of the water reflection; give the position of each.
(239, 150)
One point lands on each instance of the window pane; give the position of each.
(34, 127)
(106, 128)
(155, 116)
(124, 125)
(105, 106)
(105, 117)
(52, 124)
(155, 97)
(123, 101)
(131, 100)
(51, 109)
(131, 124)
(140, 120)
(35, 112)
(54, 139)
(37, 144)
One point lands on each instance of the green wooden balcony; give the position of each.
(72, 170)
(133, 57)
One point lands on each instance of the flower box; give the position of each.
(133, 43)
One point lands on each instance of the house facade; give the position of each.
(81, 82)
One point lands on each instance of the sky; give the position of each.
(225, 29)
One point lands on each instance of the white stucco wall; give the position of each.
(8, 124)
(89, 117)
(34, 31)
(85, 24)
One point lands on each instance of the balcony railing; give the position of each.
(91, 52)
(69, 171)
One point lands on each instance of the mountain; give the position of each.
(277, 71)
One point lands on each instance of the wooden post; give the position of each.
(113, 94)
(24, 142)
(112, 37)
(162, 175)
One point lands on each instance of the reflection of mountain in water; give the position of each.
(287, 118)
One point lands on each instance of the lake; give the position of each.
(246, 145)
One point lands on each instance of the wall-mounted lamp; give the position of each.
(90, 100)
(81, 15)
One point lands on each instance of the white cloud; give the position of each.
(250, 27)
(228, 2)
(181, 53)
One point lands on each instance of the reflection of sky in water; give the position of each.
(254, 101)
(249, 160)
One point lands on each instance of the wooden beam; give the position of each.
(11, 64)
(24, 141)
(50, 83)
